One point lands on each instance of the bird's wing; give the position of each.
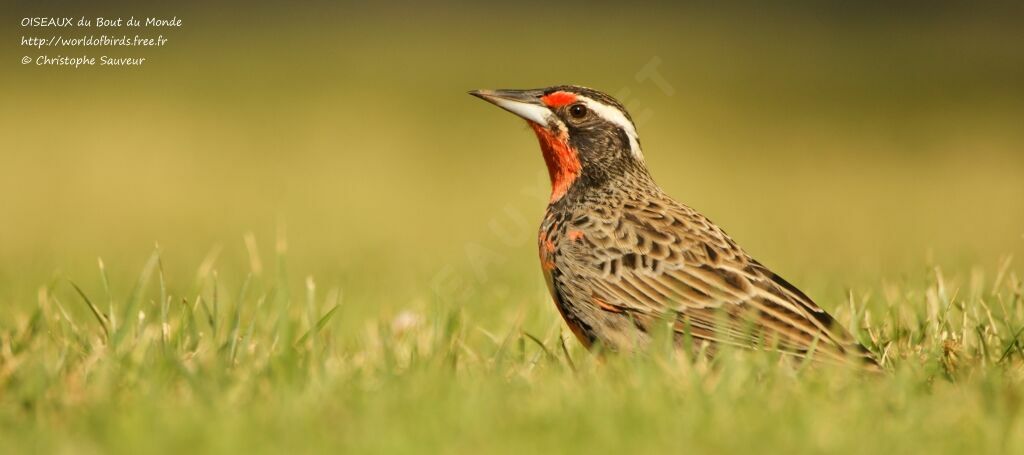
(661, 259)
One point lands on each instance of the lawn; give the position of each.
(194, 363)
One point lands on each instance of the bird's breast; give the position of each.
(547, 245)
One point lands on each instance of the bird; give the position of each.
(620, 256)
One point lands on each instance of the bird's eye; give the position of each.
(578, 111)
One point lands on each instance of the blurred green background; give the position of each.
(843, 145)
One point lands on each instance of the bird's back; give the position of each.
(622, 259)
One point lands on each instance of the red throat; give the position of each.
(563, 162)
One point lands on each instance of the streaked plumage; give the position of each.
(619, 255)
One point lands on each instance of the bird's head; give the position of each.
(586, 136)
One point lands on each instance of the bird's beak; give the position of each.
(524, 103)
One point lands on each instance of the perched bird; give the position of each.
(620, 256)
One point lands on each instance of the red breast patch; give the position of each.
(562, 161)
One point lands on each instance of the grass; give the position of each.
(194, 363)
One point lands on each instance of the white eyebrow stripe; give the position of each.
(615, 116)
